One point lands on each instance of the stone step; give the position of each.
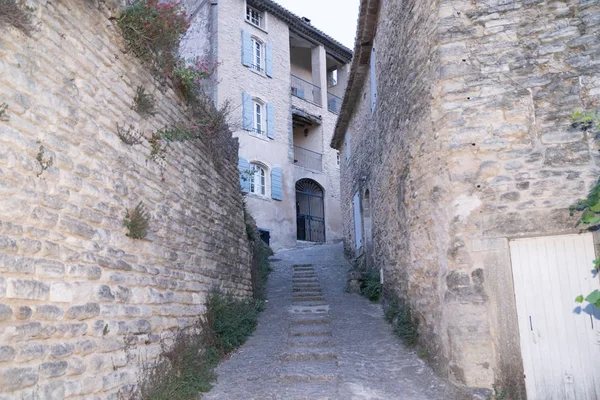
(314, 296)
(310, 330)
(309, 320)
(311, 342)
(308, 289)
(310, 391)
(306, 309)
(309, 371)
(308, 354)
(304, 275)
(309, 303)
(306, 281)
(303, 268)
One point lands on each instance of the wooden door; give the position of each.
(560, 339)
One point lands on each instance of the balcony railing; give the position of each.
(334, 103)
(308, 158)
(306, 90)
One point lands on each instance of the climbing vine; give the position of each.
(590, 206)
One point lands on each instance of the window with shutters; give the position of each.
(257, 55)
(260, 117)
(255, 17)
(258, 180)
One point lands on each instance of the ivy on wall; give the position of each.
(589, 207)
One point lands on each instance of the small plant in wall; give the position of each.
(152, 30)
(590, 206)
(144, 103)
(13, 14)
(44, 160)
(189, 75)
(137, 222)
(130, 136)
(3, 113)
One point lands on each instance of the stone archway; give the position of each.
(310, 211)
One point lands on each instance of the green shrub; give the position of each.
(189, 75)
(144, 103)
(370, 286)
(231, 319)
(11, 14)
(3, 107)
(152, 30)
(403, 323)
(137, 222)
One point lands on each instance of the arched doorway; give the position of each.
(310, 211)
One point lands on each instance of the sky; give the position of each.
(337, 18)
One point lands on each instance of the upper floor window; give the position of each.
(257, 55)
(254, 16)
(332, 77)
(259, 114)
(258, 180)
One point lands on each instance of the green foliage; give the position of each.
(370, 286)
(137, 222)
(45, 162)
(590, 216)
(182, 370)
(403, 324)
(152, 30)
(3, 113)
(587, 120)
(260, 258)
(130, 135)
(231, 319)
(189, 75)
(12, 14)
(499, 394)
(144, 103)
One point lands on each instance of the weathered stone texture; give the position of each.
(470, 145)
(73, 286)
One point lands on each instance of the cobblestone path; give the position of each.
(315, 341)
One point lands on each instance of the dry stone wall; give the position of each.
(470, 145)
(75, 291)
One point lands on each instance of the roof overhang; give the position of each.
(304, 29)
(365, 35)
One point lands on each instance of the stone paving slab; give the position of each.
(341, 349)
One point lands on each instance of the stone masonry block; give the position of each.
(83, 312)
(7, 353)
(5, 312)
(61, 292)
(53, 369)
(26, 289)
(17, 378)
(49, 312)
(61, 350)
(31, 351)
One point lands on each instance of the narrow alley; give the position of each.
(315, 341)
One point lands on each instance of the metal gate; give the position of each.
(310, 212)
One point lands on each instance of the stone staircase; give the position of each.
(309, 362)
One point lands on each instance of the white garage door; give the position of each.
(560, 341)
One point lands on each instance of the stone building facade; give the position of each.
(295, 74)
(456, 141)
(75, 291)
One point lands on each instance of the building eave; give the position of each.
(304, 29)
(365, 35)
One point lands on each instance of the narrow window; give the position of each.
(332, 78)
(257, 55)
(259, 117)
(254, 16)
(258, 183)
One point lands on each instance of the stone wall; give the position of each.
(73, 287)
(471, 145)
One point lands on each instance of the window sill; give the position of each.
(260, 73)
(256, 26)
(258, 196)
(259, 136)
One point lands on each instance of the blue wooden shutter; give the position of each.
(247, 112)
(244, 167)
(357, 221)
(270, 121)
(276, 184)
(246, 48)
(269, 60)
(373, 81)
